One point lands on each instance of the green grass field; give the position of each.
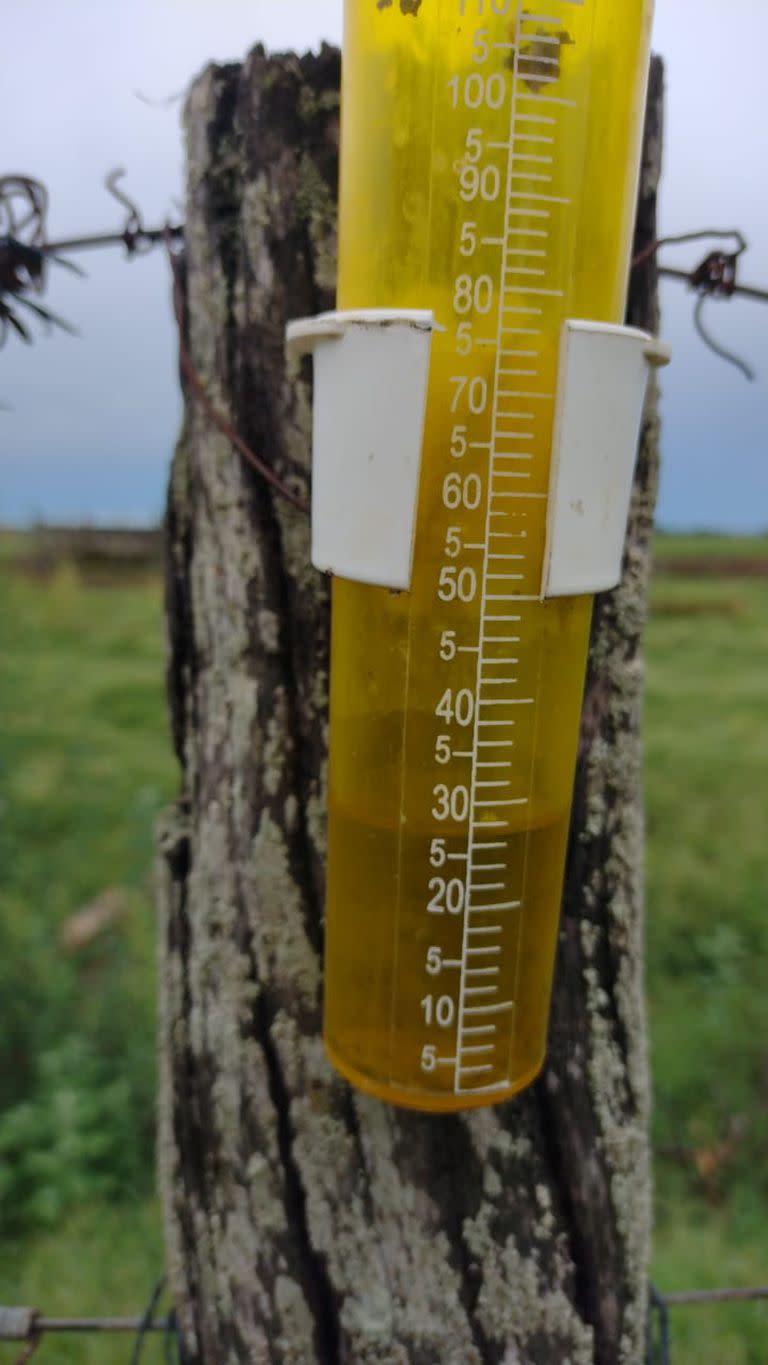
(85, 766)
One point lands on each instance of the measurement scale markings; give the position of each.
(536, 59)
(491, 1009)
(539, 199)
(533, 289)
(487, 909)
(550, 99)
(546, 39)
(496, 1089)
(534, 118)
(533, 175)
(518, 203)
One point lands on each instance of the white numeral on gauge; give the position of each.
(486, 183)
(474, 91)
(451, 803)
(476, 391)
(453, 542)
(443, 750)
(438, 856)
(434, 963)
(429, 1058)
(464, 338)
(448, 646)
(459, 439)
(440, 1010)
(469, 294)
(447, 896)
(482, 7)
(462, 492)
(468, 239)
(456, 706)
(457, 584)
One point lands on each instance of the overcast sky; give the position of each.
(92, 421)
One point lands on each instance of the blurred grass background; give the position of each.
(85, 767)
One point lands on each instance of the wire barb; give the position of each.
(714, 277)
(26, 252)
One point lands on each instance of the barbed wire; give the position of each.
(25, 252)
(714, 277)
(28, 1327)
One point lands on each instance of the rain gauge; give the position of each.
(477, 411)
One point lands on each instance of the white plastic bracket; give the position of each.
(371, 383)
(602, 383)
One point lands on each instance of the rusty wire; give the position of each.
(214, 415)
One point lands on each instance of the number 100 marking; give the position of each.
(475, 90)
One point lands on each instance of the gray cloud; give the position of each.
(94, 419)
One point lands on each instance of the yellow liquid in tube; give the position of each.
(489, 169)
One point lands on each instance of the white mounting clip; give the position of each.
(602, 382)
(371, 382)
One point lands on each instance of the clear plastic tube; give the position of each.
(489, 167)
